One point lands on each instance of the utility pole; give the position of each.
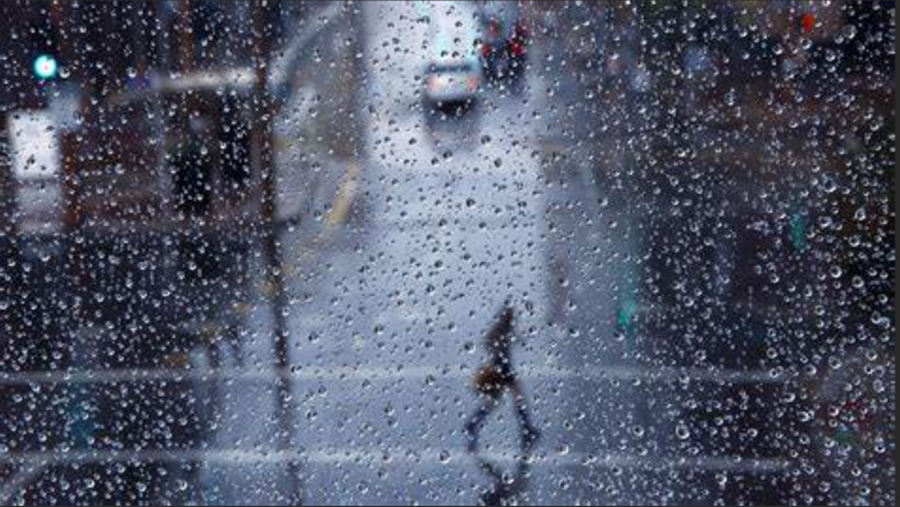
(140, 15)
(8, 247)
(262, 163)
(72, 204)
(72, 212)
(185, 37)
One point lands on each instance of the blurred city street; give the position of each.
(673, 326)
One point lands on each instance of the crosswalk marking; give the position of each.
(397, 456)
(397, 372)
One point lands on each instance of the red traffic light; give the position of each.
(808, 22)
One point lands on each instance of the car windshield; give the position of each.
(606, 252)
(455, 67)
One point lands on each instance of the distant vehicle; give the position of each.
(505, 40)
(452, 83)
(454, 74)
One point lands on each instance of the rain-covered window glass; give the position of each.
(435, 252)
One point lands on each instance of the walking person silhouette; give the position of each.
(496, 378)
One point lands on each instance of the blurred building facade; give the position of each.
(160, 96)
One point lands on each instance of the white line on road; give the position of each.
(381, 373)
(388, 457)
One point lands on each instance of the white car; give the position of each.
(452, 82)
(453, 73)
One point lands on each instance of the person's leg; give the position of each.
(473, 427)
(530, 434)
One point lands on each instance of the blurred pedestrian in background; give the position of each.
(495, 378)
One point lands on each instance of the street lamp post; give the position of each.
(8, 247)
(262, 163)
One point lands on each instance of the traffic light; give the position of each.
(808, 22)
(45, 67)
